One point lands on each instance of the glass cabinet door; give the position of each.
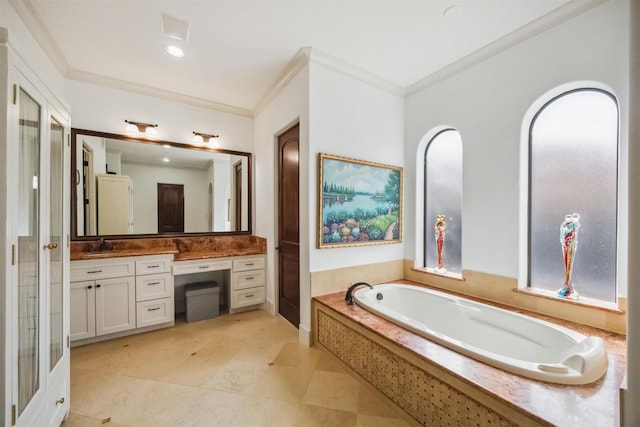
(56, 199)
(28, 250)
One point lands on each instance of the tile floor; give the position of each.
(236, 370)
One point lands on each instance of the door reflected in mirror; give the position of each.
(129, 186)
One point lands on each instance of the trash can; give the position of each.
(202, 301)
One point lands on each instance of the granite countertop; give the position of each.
(595, 404)
(183, 248)
(186, 256)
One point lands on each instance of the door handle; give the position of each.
(51, 246)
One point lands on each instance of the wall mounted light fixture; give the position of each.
(143, 128)
(203, 137)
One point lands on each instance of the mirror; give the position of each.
(125, 186)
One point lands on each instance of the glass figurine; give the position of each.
(569, 241)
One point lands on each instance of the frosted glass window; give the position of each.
(443, 196)
(573, 144)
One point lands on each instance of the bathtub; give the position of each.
(514, 342)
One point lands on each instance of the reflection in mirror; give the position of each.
(126, 186)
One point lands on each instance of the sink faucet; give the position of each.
(349, 296)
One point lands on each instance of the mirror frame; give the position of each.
(74, 223)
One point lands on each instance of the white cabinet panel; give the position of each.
(154, 286)
(115, 305)
(102, 269)
(247, 297)
(153, 266)
(83, 310)
(154, 312)
(200, 266)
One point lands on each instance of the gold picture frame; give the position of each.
(359, 202)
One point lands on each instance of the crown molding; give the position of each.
(100, 80)
(534, 28)
(297, 63)
(343, 67)
(28, 14)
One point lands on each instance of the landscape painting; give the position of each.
(360, 203)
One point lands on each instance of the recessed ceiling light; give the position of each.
(174, 50)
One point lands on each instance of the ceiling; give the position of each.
(238, 50)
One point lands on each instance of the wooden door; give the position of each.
(170, 208)
(289, 226)
(238, 196)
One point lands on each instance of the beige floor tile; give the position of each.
(100, 395)
(263, 412)
(295, 355)
(75, 420)
(370, 404)
(327, 363)
(236, 376)
(169, 405)
(374, 421)
(240, 370)
(332, 390)
(283, 383)
(315, 416)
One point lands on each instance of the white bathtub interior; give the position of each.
(511, 341)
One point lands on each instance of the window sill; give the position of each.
(583, 302)
(455, 276)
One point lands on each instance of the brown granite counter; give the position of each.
(183, 248)
(595, 404)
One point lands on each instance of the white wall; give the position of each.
(145, 200)
(289, 106)
(354, 119)
(487, 103)
(104, 109)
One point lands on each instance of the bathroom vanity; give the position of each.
(137, 285)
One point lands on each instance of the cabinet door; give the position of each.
(115, 305)
(83, 310)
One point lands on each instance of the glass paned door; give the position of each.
(28, 249)
(55, 243)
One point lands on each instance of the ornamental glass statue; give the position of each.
(569, 241)
(440, 230)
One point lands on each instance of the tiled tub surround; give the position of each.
(183, 248)
(438, 386)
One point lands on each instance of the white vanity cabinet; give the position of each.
(248, 282)
(154, 291)
(120, 295)
(102, 297)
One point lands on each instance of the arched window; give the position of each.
(573, 179)
(442, 198)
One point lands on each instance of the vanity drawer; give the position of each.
(92, 270)
(246, 264)
(154, 286)
(247, 297)
(248, 279)
(153, 266)
(153, 312)
(188, 267)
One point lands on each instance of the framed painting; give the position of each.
(360, 202)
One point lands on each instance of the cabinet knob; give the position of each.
(51, 246)
(60, 401)
(89, 287)
(97, 286)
